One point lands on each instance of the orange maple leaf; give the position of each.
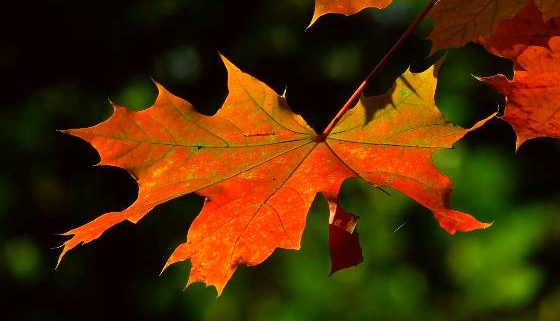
(346, 7)
(260, 166)
(456, 22)
(533, 96)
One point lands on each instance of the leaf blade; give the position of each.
(260, 166)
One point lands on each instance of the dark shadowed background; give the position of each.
(60, 62)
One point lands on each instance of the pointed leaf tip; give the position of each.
(454, 221)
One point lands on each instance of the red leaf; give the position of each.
(259, 166)
(456, 22)
(532, 96)
(344, 243)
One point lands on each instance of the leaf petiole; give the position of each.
(356, 95)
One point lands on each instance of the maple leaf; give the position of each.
(532, 106)
(456, 22)
(346, 7)
(259, 166)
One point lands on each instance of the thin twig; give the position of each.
(356, 95)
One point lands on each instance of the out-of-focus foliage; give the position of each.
(59, 72)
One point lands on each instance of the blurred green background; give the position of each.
(60, 61)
